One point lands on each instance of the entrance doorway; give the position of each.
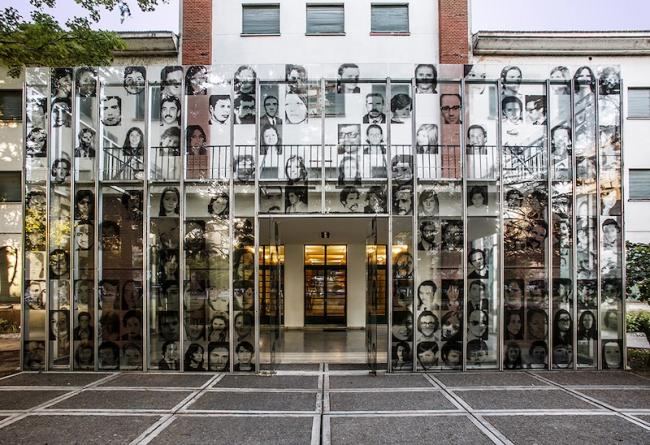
(322, 301)
(325, 285)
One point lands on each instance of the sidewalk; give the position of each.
(328, 407)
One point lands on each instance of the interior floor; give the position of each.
(325, 345)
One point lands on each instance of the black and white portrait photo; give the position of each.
(60, 171)
(401, 105)
(86, 147)
(451, 108)
(427, 139)
(219, 107)
(535, 109)
(477, 200)
(170, 111)
(375, 109)
(403, 200)
(244, 168)
(111, 111)
(86, 79)
(510, 80)
(295, 199)
(271, 106)
(348, 79)
(134, 79)
(271, 200)
(428, 234)
(452, 235)
(426, 79)
(349, 170)
(171, 81)
(196, 80)
(295, 108)
(244, 80)
(375, 200)
(245, 109)
(296, 77)
(36, 143)
(402, 168)
(61, 113)
(349, 138)
(351, 199)
(61, 83)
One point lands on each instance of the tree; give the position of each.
(638, 270)
(43, 41)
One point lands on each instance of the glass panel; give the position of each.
(610, 219)
(120, 286)
(525, 170)
(165, 124)
(586, 212)
(243, 263)
(164, 262)
(87, 123)
(402, 322)
(122, 118)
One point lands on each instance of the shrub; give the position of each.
(638, 322)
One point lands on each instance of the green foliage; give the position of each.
(638, 270)
(638, 358)
(8, 327)
(638, 322)
(43, 41)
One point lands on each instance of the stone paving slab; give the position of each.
(570, 430)
(416, 430)
(488, 379)
(226, 430)
(145, 380)
(293, 367)
(272, 382)
(135, 399)
(389, 401)
(22, 400)
(523, 399)
(594, 378)
(255, 401)
(644, 418)
(379, 381)
(621, 398)
(52, 379)
(353, 366)
(87, 430)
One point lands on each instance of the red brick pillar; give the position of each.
(453, 38)
(196, 37)
(453, 31)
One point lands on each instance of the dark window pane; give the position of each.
(10, 187)
(390, 18)
(261, 20)
(11, 105)
(325, 19)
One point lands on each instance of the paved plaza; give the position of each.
(326, 406)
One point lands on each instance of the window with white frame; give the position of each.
(386, 18)
(325, 19)
(638, 102)
(260, 19)
(639, 184)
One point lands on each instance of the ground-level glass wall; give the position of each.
(144, 188)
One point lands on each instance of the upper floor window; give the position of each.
(10, 186)
(261, 19)
(325, 19)
(389, 18)
(639, 184)
(11, 105)
(638, 102)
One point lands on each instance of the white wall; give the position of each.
(293, 46)
(636, 132)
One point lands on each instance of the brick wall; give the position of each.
(453, 31)
(197, 32)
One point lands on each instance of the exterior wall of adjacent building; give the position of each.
(357, 45)
(636, 132)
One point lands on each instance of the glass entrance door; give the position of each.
(325, 284)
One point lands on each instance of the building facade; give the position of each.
(318, 166)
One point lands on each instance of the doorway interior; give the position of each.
(313, 291)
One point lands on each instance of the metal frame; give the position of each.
(501, 223)
(256, 229)
(550, 176)
(599, 346)
(574, 249)
(146, 299)
(389, 248)
(621, 123)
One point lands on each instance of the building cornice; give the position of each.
(148, 43)
(579, 43)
